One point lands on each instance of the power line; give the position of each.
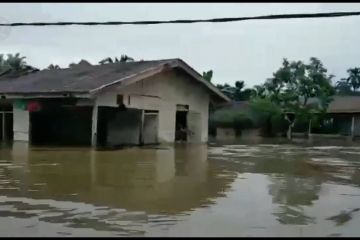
(212, 20)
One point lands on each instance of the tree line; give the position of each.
(297, 92)
(15, 64)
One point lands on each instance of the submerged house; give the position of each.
(344, 115)
(112, 104)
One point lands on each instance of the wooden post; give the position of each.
(309, 130)
(289, 132)
(352, 127)
(3, 127)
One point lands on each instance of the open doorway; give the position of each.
(181, 122)
(118, 127)
(61, 125)
(6, 120)
(150, 127)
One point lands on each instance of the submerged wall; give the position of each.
(21, 124)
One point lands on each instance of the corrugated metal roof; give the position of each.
(344, 104)
(80, 78)
(85, 78)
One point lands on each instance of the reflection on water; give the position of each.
(263, 189)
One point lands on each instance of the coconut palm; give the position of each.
(14, 64)
(126, 58)
(53, 67)
(123, 58)
(354, 78)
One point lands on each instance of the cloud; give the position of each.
(248, 51)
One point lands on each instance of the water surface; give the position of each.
(238, 189)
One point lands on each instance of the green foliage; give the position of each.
(230, 118)
(295, 83)
(14, 64)
(53, 67)
(266, 115)
(123, 58)
(208, 75)
(236, 93)
(349, 85)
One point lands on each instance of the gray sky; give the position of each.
(249, 51)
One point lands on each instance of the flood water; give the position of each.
(265, 189)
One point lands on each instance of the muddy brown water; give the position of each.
(229, 189)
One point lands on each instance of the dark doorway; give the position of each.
(6, 120)
(6, 126)
(61, 125)
(181, 126)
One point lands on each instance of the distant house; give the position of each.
(112, 104)
(344, 114)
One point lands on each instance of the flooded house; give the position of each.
(344, 115)
(130, 103)
(342, 119)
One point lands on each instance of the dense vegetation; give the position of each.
(296, 93)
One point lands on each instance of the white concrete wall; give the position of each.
(21, 125)
(166, 90)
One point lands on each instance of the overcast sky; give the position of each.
(249, 51)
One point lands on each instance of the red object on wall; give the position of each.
(34, 106)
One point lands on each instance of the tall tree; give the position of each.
(342, 87)
(14, 64)
(354, 78)
(208, 75)
(349, 85)
(52, 67)
(126, 58)
(123, 58)
(294, 84)
(236, 93)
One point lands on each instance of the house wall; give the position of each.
(162, 92)
(21, 124)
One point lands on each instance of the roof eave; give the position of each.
(62, 94)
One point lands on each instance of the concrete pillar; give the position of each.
(94, 125)
(21, 125)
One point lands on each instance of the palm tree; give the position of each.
(14, 64)
(208, 75)
(53, 67)
(354, 78)
(343, 87)
(126, 58)
(123, 58)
